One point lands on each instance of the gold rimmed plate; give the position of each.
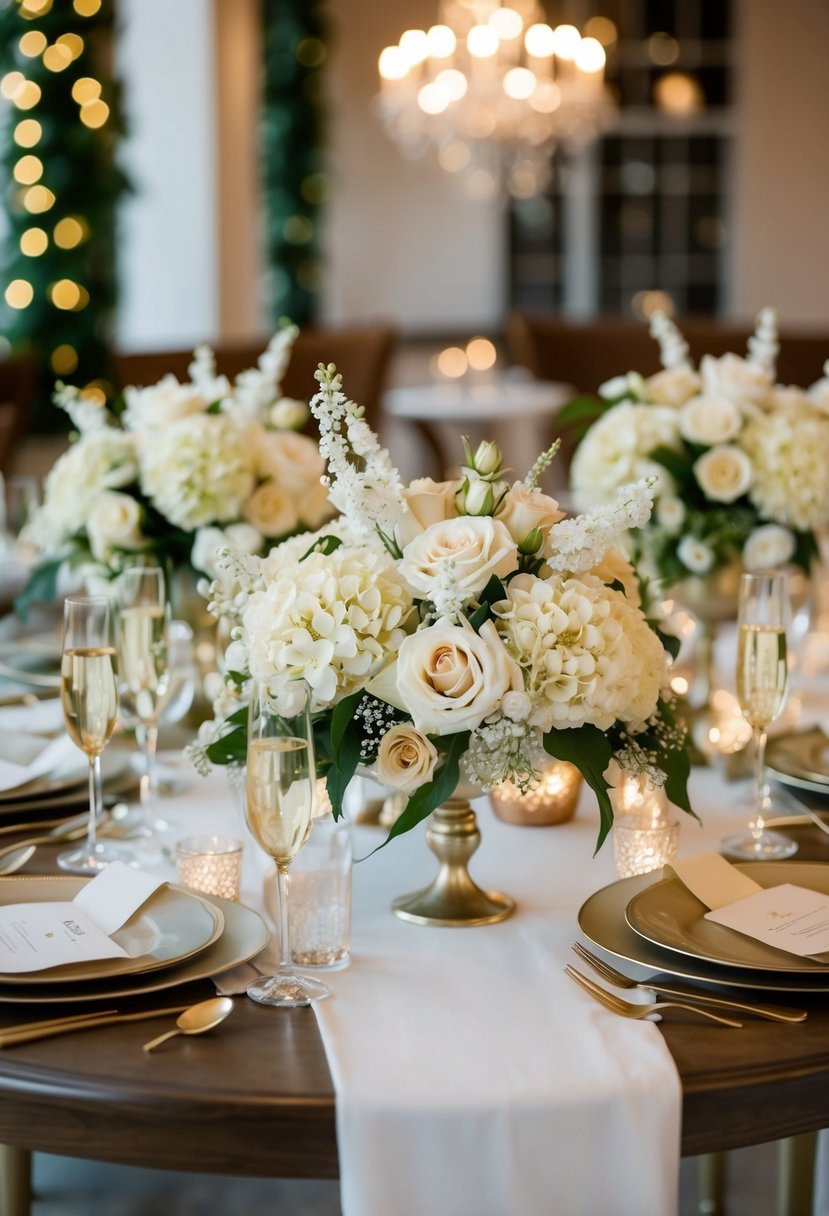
(601, 920)
(172, 926)
(800, 758)
(71, 779)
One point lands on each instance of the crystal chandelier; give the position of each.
(491, 89)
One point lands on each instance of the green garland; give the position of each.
(294, 183)
(62, 187)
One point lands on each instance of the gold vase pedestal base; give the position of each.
(453, 900)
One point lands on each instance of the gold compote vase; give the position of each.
(453, 899)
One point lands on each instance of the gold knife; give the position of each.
(44, 1030)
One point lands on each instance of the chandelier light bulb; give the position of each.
(507, 23)
(590, 56)
(415, 46)
(442, 41)
(539, 41)
(482, 42)
(392, 64)
(547, 97)
(519, 83)
(452, 82)
(566, 39)
(432, 99)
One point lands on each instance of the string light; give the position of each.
(27, 95)
(64, 359)
(32, 44)
(34, 242)
(86, 89)
(27, 133)
(65, 294)
(34, 8)
(73, 43)
(56, 58)
(19, 293)
(70, 231)
(86, 8)
(10, 83)
(94, 114)
(38, 199)
(28, 170)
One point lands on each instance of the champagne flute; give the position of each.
(281, 774)
(762, 679)
(143, 668)
(89, 697)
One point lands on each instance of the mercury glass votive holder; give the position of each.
(640, 846)
(552, 801)
(210, 864)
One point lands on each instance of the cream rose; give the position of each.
(523, 510)
(450, 678)
(290, 459)
(429, 502)
(161, 404)
(406, 759)
(477, 547)
(114, 522)
(731, 376)
(767, 547)
(673, 387)
(709, 420)
(288, 414)
(695, 555)
(271, 510)
(724, 473)
(314, 507)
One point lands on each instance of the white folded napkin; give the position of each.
(38, 718)
(23, 757)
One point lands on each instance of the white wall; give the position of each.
(168, 236)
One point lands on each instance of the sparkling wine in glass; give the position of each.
(89, 697)
(762, 681)
(281, 774)
(142, 626)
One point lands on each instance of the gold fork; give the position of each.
(775, 1013)
(627, 1009)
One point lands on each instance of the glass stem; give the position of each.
(286, 966)
(760, 737)
(95, 802)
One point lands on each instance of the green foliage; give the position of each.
(429, 796)
(590, 750)
(343, 749)
(80, 170)
(294, 182)
(579, 415)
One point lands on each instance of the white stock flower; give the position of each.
(114, 522)
(790, 453)
(450, 678)
(524, 509)
(768, 547)
(616, 450)
(476, 546)
(428, 502)
(102, 459)
(406, 759)
(724, 473)
(270, 509)
(674, 386)
(288, 414)
(291, 460)
(695, 555)
(197, 471)
(161, 404)
(730, 376)
(709, 420)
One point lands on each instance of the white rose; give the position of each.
(517, 706)
(290, 459)
(114, 522)
(724, 473)
(288, 414)
(450, 678)
(768, 547)
(731, 376)
(243, 538)
(406, 759)
(271, 510)
(695, 555)
(477, 546)
(429, 502)
(161, 404)
(674, 386)
(523, 510)
(709, 420)
(670, 513)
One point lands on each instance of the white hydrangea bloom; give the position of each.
(616, 450)
(102, 459)
(156, 407)
(790, 454)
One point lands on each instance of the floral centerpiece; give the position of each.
(739, 461)
(177, 471)
(449, 629)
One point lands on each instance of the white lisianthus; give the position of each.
(406, 759)
(197, 471)
(288, 414)
(674, 386)
(450, 678)
(616, 451)
(768, 547)
(428, 502)
(525, 509)
(476, 546)
(731, 376)
(114, 522)
(790, 452)
(670, 513)
(724, 473)
(709, 420)
(695, 555)
(101, 460)
(160, 404)
(271, 510)
(292, 460)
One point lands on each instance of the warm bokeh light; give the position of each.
(415, 45)
(28, 170)
(27, 95)
(677, 93)
(507, 23)
(63, 359)
(539, 41)
(298, 230)
(566, 41)
(95, 392)
(590, 56)
(452, 82)
(10, 83)
(86, 89)
(442, 41)
(57, 57)
(19, 293)
(392, 64)
(27, 133)
(547, 97)
(454, 156)
(645, 303)
(601, 28)
(663, 49)
(70, 231)
(73, 43)
(432, 99)
(65, 294)
(314, 188)
(34, 242)
(38, 199)
(94, 114)
(480, 354)
(35, 8)
(482, 41)
(32, 44)
(452, 362)
(519, 83)
(86, 8)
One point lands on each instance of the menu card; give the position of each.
(35, 936)
(787, 917)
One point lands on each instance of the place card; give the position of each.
(787, 917)
(34, 936)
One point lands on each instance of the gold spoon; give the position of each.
(197, 1019)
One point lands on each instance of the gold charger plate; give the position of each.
(244, 935)
(171, 926)
(668, 915)
(800, 758)
(68, 780)
(601, 920)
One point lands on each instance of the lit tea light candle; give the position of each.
(210, 864)
(644, 837)
(552, 801)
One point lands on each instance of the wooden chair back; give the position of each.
(17, 388)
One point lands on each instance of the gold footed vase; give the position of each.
(453, 900)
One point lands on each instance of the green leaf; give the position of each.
(423, 801)
(42, 587)
(344, 750)
(677, 464)
(670, 641)
(325, 545)
(676, 765)
(585, 409)
(341, 718)
(590, 750)
(215, 407)
(232, 748)
(617, 585)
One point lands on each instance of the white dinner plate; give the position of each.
(72, 778)
(170, 927)
(245, 934)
